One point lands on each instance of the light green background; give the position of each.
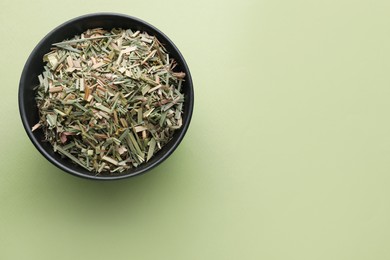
(287, 156)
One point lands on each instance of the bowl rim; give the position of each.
(134, 172)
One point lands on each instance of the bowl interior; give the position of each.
(34, 67)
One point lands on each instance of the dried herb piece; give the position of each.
(109, 100)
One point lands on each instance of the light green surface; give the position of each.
(287, 156)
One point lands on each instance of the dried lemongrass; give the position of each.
(109, 100)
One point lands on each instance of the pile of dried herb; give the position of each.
(109, 100)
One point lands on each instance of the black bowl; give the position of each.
(34, 66)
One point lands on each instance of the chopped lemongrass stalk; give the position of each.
(109, 100)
